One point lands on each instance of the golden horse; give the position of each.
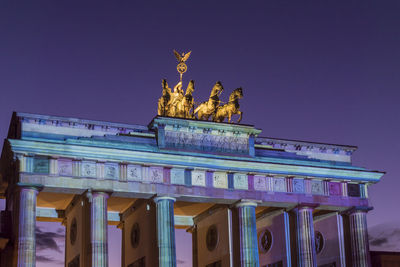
(208, 108)
(232, 107)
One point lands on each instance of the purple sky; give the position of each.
(324, 71)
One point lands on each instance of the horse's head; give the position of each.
(236, 94)
(190, 87)
(164, 84)
(166, 89)
(239, 92)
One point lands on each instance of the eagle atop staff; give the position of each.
(183, 58)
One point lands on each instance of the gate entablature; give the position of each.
(72, 155)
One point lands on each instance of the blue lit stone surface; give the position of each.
(248, 234)
(166, 231)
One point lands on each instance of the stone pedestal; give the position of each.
(248, 234)
(359, 237)
(26, 238)
(98, 229)
(165, 231)
(306, 254)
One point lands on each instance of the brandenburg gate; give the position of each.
(247, 200)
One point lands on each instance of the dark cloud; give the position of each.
(385, 237)
(41, 258)
(378, 241)
(47, 259)
(48, 240)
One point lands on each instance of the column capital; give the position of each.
(160, 198)
(36, 187)
(94, 193)
(306, 205)
(246, 203)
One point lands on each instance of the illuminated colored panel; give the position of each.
(279, 184)
(134, 173)
(65, 167)
(41, 165)
(353, 190)
(198, 178)
(88, 169)
(317, 187)
(177, 176)
(111, 171)
(335, 189)
(155, 175)
(220, 180)
(298, 185)
(240, 181)
(260, 183)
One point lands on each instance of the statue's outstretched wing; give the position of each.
(186, 57)
(178, 57)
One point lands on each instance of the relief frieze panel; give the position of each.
(198, 178)
(279, 184)
(298, 185)
(153, 174)
(207, 142)
(134, 173)
(193, 177)
(220, 180)
(240, 181)
(88, 169)
(178, 176)
(65, 167)
(317, 187)
(111, 171)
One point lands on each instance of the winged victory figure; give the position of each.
(182, 58)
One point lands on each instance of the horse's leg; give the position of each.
(240, 117)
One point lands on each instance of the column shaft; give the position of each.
(306, 254)
(359, 238)
(248, 234)
(98, 229)
(26, 227)
(166, 231)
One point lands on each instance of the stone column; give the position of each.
(26, 238)
(166, 231)
(359, 236)
(248, 234)
(98, 228)
(305, 237)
